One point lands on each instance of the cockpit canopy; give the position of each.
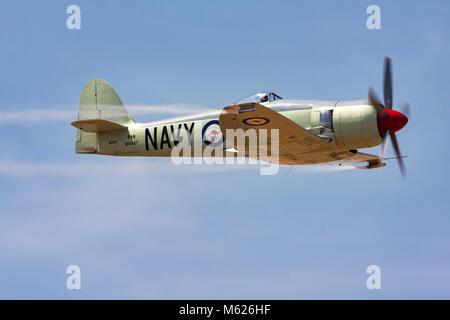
(260, 97)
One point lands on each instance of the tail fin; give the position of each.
(98, 101)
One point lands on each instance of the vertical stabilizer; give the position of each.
(98, 101)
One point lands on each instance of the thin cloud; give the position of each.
(139, 167)
(322, 168)
(101, 168)
(177, 108)
(47, 115)
(37, 116)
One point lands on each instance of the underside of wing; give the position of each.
(294, 141)
(355, 157)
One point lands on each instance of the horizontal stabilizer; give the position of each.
(97, 125)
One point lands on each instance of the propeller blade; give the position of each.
(405, 110)
(375, 102)
(384, 145)
(398, 154)
(387, 83)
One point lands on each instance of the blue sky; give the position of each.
(143, 228)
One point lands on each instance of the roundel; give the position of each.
(256, 121)
(211, 133)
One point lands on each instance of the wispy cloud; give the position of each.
(138, 167)
(131, 167)
(37, 116)
(47, 115)
(177, 108)
(321, 168)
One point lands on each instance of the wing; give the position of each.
(294, 140)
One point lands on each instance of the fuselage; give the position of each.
(348, 124)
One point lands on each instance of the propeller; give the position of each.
(389, 121)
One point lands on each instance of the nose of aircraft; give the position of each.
(394, 122)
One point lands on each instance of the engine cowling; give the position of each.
(356, 125)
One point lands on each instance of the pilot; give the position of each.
(263, 97)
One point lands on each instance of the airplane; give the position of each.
(309, 131)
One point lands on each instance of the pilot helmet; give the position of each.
(263, 97)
